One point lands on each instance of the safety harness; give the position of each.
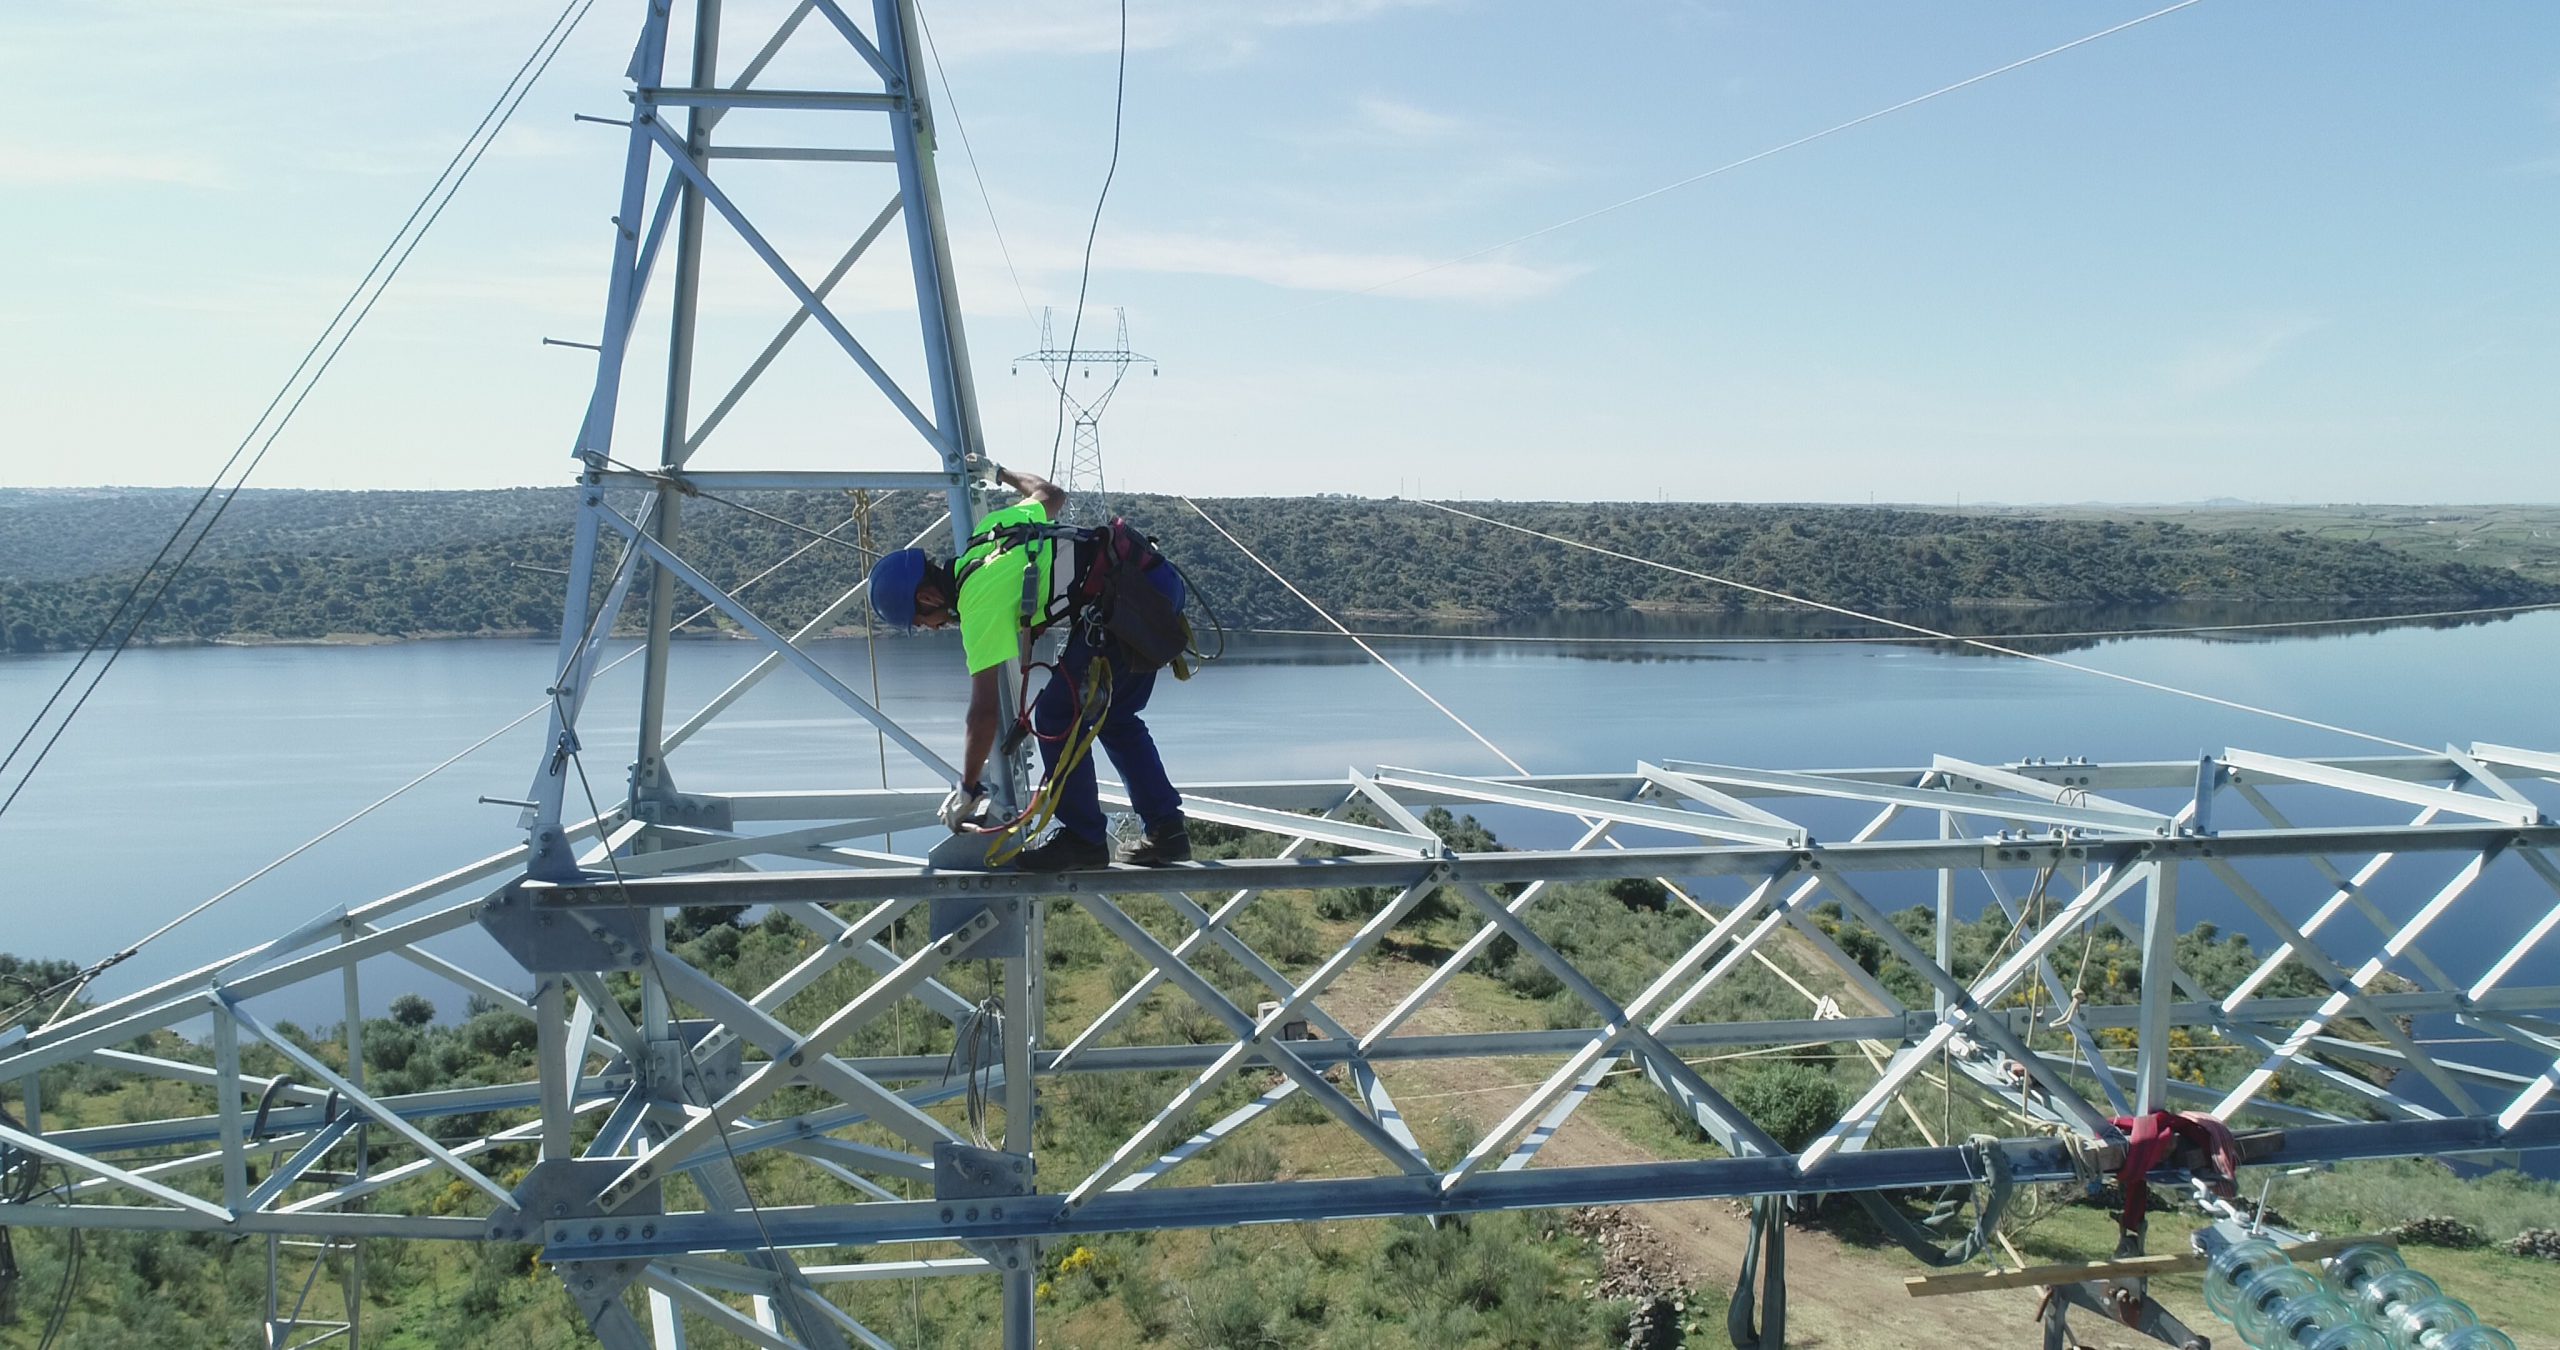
(1097, 577)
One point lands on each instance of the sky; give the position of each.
(2286, 250)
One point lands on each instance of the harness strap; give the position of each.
(1021, 534)
(2149, 1142)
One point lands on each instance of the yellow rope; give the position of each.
(1095, 705)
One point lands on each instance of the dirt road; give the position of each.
(1838, 1297)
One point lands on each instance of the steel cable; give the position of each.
(1084, 275)
(449, 183)
(1925, 631)
(970, 152)
(76, 982)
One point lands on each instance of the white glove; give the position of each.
(967, 803)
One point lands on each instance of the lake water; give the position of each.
(192, 767)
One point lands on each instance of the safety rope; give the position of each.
(968, 151)
(1093, 230)
(79, 981)
(977, 1048)
(676, 479)
(862, 511)
(1016, 834)
(1193, 658)
(689, 1078)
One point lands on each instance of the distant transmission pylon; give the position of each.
(1088, 497)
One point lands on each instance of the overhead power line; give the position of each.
(969, 151)
(1084, 274)
(1925, 631)
(128, 617)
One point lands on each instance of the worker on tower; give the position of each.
(1121, 602)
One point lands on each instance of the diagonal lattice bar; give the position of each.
(1968, 1005)
(1255, 1038)
(2364, 975)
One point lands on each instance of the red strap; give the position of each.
(2148, 1141)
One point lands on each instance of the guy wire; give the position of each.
(1925, 631)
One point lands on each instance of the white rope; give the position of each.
(1746, 160)
(1567, 640)
(969, 151)
(1933, 633)
(396, 793)
(1761, 957)
(316, 840)
(1392, 668)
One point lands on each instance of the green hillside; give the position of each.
(308, 565)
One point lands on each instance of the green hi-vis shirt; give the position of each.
(990, 601)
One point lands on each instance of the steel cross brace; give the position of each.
(2348, 892)
(1253, 1039)
(2338, 1002)
(797, 1057)
(1203, 932)
(1047, 1217)
(1735, 1132)
(1966, 1005)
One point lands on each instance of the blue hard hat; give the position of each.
(893, 586)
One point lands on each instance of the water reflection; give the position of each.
(1689, 635)
(195, 766)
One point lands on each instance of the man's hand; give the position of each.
(966, 805)
(1052, 498)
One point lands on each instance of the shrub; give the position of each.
(501, 1034)
(390, 1046)
(412, 1010)
(1280, 933)
(1352, 902)
(1144, 1300)
(1793, 1102)
(1225, 1314)
(1529, 979)
(718, 945)
(1639, 893)
(1248, 1159)
(692, 921)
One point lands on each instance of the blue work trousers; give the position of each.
(1124, 734)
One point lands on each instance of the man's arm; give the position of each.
(985, 720)
(1052, 498)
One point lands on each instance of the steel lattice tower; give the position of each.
(1088, 495)
(652, 1079)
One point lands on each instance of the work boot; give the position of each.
(1163, 845)
(1064, 851)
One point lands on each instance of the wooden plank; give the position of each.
(2072, 1272)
